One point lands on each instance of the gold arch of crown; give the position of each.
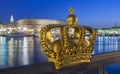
(67, 50)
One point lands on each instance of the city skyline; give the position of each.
(96, 13)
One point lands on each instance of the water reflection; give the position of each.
(10, 48)
(23, 51)
(106, 44)
(4, 54)
(20, 51)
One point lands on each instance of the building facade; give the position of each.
(34, 25)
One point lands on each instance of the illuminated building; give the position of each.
(34, 25)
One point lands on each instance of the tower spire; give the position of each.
(11, 19)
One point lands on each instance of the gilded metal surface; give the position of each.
(68, 50)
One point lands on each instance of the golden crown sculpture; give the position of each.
(67, 51)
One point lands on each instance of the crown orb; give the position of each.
(72, 19)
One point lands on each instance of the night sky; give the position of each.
(96, 13)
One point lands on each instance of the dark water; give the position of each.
(23, 51)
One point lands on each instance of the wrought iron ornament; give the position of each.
(68, 50)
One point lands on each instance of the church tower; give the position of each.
(12, 20)
(11, 25)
